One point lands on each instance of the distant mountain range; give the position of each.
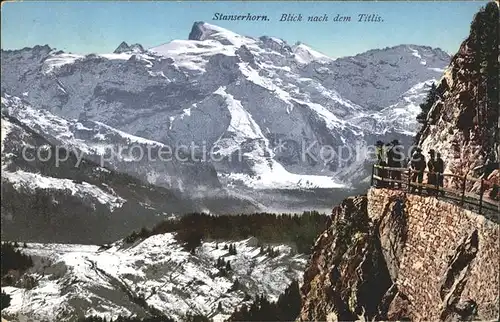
(237, 93)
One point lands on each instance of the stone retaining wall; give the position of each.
(450, 255)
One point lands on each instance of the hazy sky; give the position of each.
(99, 27)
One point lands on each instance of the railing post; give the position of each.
(481, 196)
(436, 183)
(373, 171)
(463, 190)
(409, 180)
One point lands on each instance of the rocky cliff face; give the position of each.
(463, 122)
(347, 275)
(394, 256)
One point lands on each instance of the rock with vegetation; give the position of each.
(347, 276)
(461, 119)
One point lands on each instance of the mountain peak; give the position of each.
(202, 31)
(305, 54)
(408, 49)
(124, 47)
(37, 48)
(197, 31)
(121, 48)
(205, 31)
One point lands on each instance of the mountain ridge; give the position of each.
(263, 75)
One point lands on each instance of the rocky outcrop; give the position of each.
(347, 276)
(197, 31)
(125, 48)
(396, 256)
(463, 122)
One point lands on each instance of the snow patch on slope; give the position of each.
(270, 174)
(44, 122)
(401, 116)
(186, 72)
(439, 70)
(241, 125)
(59, 60)
(418, 55)
(219, 33)
(171, 279)
(6, 128)
(32, 181)
(305, 55)
(190, 54)
(415, 53)
(275, 176)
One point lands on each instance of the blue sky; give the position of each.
(99, 27)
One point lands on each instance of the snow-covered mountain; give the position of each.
(305, 54)
(257, 103)
(52, 190)
(116, 149)
(77, 280)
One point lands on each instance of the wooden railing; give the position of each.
(459, 188)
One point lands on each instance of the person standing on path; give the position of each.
(394, 158)
(432, 175)
(417, 163)
(439, 171)
(381, 161)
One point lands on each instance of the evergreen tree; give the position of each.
(13, 259)
(300, 230)
(287, 308)
(4, 300)
(484, 41)
(144, 233)
(427, 104)
(290, 302)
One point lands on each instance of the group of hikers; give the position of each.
(391, 155)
